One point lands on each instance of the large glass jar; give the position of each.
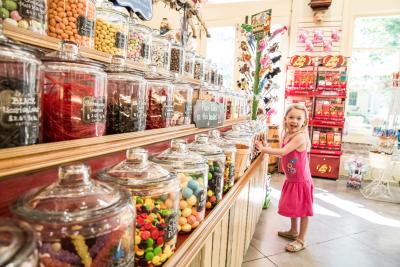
(74, 96)
(139, 43)
(182, 103)
(79, 221)
(72, 21)
(126, 99)
(177, 59)
(17, 244)
(26, 14)
(192, 172)
(198, 70)
(156, 193)
(20, 102)
(207, 71)
(188, 70)
(159, 104)
(160, 52)
(213, 74)
(216, 166)
(112, 29)
(229, 149)
(220, 76)
(209, 93)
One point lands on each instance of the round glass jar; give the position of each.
(20, 106)
(198, 70)
(112, 28)
(74, 96)
(160, 51)
(229, 149)
(182, 104)
(216, 166)
(209, 93)
(159, 104)
(26, 14)
(207, 71)
(126, 99)
(192, 172)
(17, 244)
(139, 43)
(188, 69)
(156, 193)
(79, 221)
(213, 74)
(72, 21)
(177, 59)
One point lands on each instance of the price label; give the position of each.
(201, 196)
(120, 40)
(32, 9)
(85, 26)
(208, 114)
(172, 228)
(93, 109)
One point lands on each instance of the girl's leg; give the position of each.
(293, 226)
(303, 228)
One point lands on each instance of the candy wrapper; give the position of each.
(336, 35)
(318, 36)
(303, 36)
(327, 44)
(309, 46)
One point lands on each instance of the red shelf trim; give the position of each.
(326, 152)
(326, 124)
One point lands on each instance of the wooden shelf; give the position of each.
(35, 157)
(195, 241)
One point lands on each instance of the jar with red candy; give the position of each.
(80, 221)
(156, 194)
(182, 104)
(126, 99)
(74, 95)
(159, 104)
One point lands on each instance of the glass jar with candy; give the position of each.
(159, 103)
(18, 245)
(20, 106)
(182, 104)
(156, 193)
(209, 93)
(216, 166)
(160, 54)
(188, 69)
(139, 43)
(192, 171)
(74, 95)
(213, 74)
(80, 221)
(229, 149)
(177, 56)
(126, 99)
(112, 28)
(207, 71)
(198, 70)
(72, 20)
(229, 104)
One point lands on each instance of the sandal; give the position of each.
(295, 246)
(288, 235)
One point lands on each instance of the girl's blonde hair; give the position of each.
(304, 127)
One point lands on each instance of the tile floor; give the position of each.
(346, 230)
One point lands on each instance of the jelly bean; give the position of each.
(186, 228)
(183, 204)
(157, 251)
(150, 242)
(194, 185)
(191, 219)
(186, 212)
(187, 192)
(192, 200)
(149, 256)
(145, 235)
(182, 221)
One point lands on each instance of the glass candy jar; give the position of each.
(213, 74)
(79, 221)
(156, 193)
(216, 166)
(74, 96)
(182, 104)
(207, 71)
(72, 21)
(192, 172)
(17, 244)
(139, 43)
(20, 107)
(111, 30)
(198, 70)
(126, 99)
(177, 59)
(229, 149)
(159, 104)
(209, 93)
(160, 52)
(188, 69)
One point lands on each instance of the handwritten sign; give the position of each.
(301, 61)
(35, 9)
(208, 114)
(93, 109)
(261, 23)
(142, 8)
(85, 26)
(333, 61)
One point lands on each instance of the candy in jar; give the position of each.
(182, 104)
(159, 104)
(156, 193)
(177, 58)
(79, 221)
(192, 171)
(139, 43)
(160, 52)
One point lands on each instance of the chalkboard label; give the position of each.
(143, 8)
(85, 26)
(120, 40)
(208, 114)
(172, 228)
(18, 109)
(32, 9)
(201, 196)
(93, 109)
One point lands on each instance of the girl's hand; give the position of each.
(260, 146)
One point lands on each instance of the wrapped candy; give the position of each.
(336, 34)
(318, 36)
(309, 46)
(327, 45)
(279, 31)
(303, 35)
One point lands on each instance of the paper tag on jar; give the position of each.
(172, 228)
(120, 40)
(201, 196)
(93, 109)
(85, 26)
(32, 9)
(17, 109)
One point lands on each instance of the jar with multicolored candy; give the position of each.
(188, 69)
(192, 171)
(182, 104)
(198, 70)
(160, 51)
(80, 221)
(229, 149)
(159, 104)
(139, 43)
(18, 246)
(126, 99)
(216, 166)
(156, 193)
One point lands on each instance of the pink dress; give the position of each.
(297, 191)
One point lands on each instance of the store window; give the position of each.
(375, 56)
(221, 50)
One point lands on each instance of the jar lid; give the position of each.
(17, 242)
(214, 136)
(75, 197)
(179, 156)
(118, 65)
(136, 170)
(202, 146)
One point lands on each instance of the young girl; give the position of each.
(297, 193)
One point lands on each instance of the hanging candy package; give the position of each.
(156, 193)
(79, 221)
